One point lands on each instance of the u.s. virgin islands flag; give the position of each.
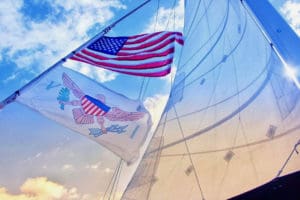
(79, 103)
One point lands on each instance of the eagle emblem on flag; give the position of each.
(88, 108)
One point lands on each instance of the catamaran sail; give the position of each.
(231, 110)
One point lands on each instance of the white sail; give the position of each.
(233, 114)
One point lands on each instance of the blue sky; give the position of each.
(39, 151)
(35, 34)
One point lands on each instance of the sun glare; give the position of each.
(292, 74)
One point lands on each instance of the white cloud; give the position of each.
(165, 19)
(38, 155)
(41, 188)
(93, 72)
(11, 77)
(107, 170)
(103, 75)
(93, 166)
(291, 10)
(67, 167)
(170, 78)
(42, 43)
(155, 105)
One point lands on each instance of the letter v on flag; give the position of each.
(85, 106)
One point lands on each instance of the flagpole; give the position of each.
(11, 98)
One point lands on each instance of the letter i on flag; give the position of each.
(83, 105)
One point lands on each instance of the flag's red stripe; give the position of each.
(179, 41)
(133, 39)
(98, 112)
(84, 100)
(146, 74)
(96, 109)
(137, 36)
(143, 39)
(85, 105)
(177, 35)
(90, 108)
(127, 58)
(148, 44)
(149, 65)
(87, 109)
(156, 48)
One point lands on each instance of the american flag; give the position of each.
(148, 55)
(93, 106)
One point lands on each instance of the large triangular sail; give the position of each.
(233, 114)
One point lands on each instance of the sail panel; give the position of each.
(143, 179)
(232, 120)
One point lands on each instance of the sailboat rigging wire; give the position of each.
(288, 159)
(241, 125)
(229, 116)
(188, 34)
(174, 17)
(213, 92)
(222, 60)
(227, 98)
(208, 40)
(112, 179)
(257, 23)
(250, 152)
(223, 179)
(157, 159)
(194, 18)
(141, 88)
(117, 180)
(212, 48)
(290, 131)
(114, 183)
(156, 17)
(11, 98)
(216, 75)
(189, 155)
(142, 93)
(174, 3)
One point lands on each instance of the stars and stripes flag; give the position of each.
(149, 55)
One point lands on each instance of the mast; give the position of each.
(282, 38)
